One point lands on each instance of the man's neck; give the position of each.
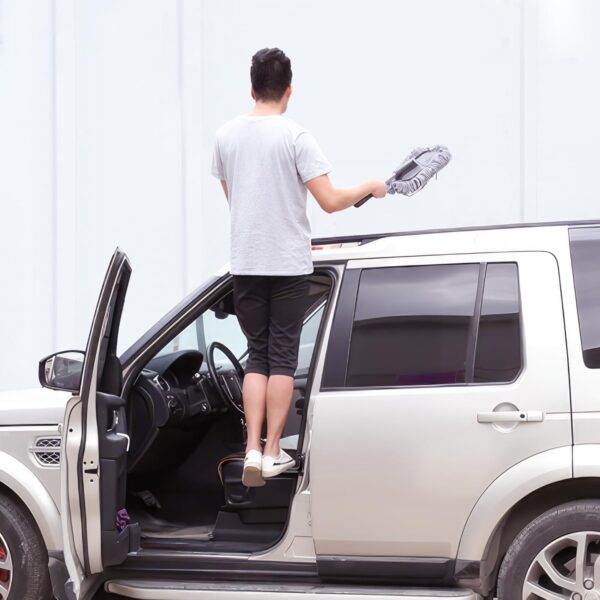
(264, 109)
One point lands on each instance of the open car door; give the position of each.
(96, 532)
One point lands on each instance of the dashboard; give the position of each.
(172, 398)
(185, 386)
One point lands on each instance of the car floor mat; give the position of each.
(202, 533)
(154, 527)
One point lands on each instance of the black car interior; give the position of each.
(185, 417)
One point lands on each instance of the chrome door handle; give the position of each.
(510, 416)
(125, 436)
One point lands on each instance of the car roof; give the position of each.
(544, 236)
(369, 237)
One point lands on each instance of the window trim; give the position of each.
(340, 335)
(471, 352)
(573, 232)
(338, 345)
(521, 328)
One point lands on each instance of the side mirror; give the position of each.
(62, 370)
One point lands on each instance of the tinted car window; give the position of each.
(498, 350)
(585, 257)
(411, 325)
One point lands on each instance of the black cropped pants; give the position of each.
(270, 310)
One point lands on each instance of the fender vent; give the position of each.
(47, 451)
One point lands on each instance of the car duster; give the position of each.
(418, 168)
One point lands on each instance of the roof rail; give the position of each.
(370, 237)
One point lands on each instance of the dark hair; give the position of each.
(270, 73)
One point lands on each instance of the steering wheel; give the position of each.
(228, 384)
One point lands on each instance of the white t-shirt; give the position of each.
(265, 162)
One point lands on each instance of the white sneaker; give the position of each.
(275, 465)
(251, 476)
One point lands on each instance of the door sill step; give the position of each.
(180, 590)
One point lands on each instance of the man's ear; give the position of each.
(288, 92)
(253, 93)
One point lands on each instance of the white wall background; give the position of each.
(108, 110)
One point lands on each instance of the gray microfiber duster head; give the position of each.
(417, 169)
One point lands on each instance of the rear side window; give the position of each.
(435, 325)
(498, 351)
(585, 258)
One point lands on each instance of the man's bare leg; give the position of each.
(255, 400)
(280, 389)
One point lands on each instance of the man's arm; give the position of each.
(332, 199)
(224, 186)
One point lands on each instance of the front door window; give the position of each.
(214, 325)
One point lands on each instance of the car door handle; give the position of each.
(120, 434)
(124, 436)
(511, 416)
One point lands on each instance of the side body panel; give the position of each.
(396, 472)
(583, 459)
(506, 491)
(586, 460)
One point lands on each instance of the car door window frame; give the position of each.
(583, 269)
(188, 311)
(335, 370)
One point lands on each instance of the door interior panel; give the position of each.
(117, 539)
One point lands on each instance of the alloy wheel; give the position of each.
(566, 569)
(6, 569)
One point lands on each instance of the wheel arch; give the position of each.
(525, 511)
(505, 493)
(579, 480)
(23, 486)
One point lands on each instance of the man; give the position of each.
(265, 163)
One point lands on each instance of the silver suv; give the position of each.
(445, 426)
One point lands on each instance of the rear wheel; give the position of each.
(23, 557)
(556, 557)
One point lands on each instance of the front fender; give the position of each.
(29, 489)
(512, 486)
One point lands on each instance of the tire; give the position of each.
(29, 578)
(557, 533)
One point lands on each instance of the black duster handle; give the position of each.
(361, 202)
